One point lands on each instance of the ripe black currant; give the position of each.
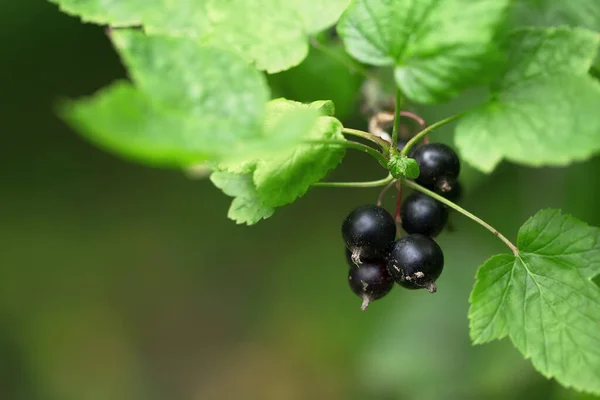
(349, 258)
(415, 262)
(452, 191)
(423, 214)
(439, 165)
(370, 281)
(368, 232)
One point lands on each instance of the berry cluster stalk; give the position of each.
(415, 139)
(353, 145)
(387, 150)
(441, 199)
(396, 129)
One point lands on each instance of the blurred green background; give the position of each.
(122, 282)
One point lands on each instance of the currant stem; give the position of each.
(353, 145)
(380, 182)
(415, 139)
(385, 117)
(367, 136)
(464, 212)
(365, 304)
(397, 216)
(383, 192)
(415, 118)
(431, 287)
(396, 129)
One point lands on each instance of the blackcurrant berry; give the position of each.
(415, 262)
(349, 259)
(450, 190)
(438, 164)
(423, 214)
(368, 232)
(370, 281)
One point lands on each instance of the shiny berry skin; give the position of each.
(451, 191)
(438, 164)
(416, 262)
(423, 214)
(370, 281)
(368, 232)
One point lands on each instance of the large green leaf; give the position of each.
(438, 47)
(190, 103)
(544, 299)
(584, 13)
(187, 17)
(271, 33)
(544, 107)
(534, 53)
(551, 121)
(123, 120)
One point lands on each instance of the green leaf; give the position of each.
(121, 119)
(279, 179)
(278, 109)
(544, 299)
(435, 56)
(324, 107)
(285, 120)
(271, 33)
(188, 17)
(544, 107)
(552, 121)
(584, 13)
(282, 179)
(403, 167)
(190, 103)
(535, 53)
(246, 207)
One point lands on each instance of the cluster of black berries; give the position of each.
(414, 261)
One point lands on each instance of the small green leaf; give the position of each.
(277, 109)
(325, 107)
(435, 56)
(544, 108)
(544, 299)
(282, 179)
(279, 179)
(246, 207)
(403, 167)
